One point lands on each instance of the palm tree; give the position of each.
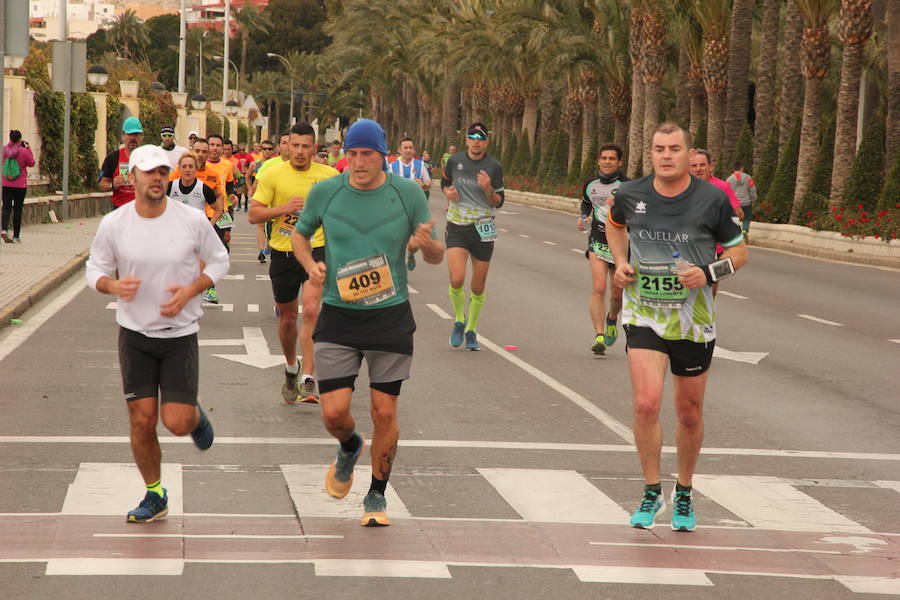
(713, 17)
(791, 81)
(264, 86)
(892, 137)
(249, 21)
(855, 29)
(765, 77)
(816, 58)
(571, 120)
(653, 68)
(636, 128)
(738, 75)
(127, 32)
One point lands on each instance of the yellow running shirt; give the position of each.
(281, 183)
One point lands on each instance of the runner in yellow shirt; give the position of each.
(279, 197)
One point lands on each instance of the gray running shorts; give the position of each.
(334, 361)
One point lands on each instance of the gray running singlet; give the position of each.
(462, 173)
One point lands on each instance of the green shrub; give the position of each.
(743, 151)
(535, 164)
(766, 169)
(523, 156)
(890, 192)
(867, 173)
(589, 162)
(509, 153)
(700, 138)
(213, 123)
(776, 206)
(820, 185)
(113, 123)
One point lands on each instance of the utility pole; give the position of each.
(226, 30)
(182, 46)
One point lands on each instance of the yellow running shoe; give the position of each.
(339, 478)
(374, 515)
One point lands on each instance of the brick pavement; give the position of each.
(48, 255)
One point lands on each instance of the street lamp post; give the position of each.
(237, 83)
(287, 65)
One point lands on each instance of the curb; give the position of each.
(826, 254)
(36, 292)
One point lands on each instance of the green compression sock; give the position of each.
(458, 299)
(156, 488)
(476, 303)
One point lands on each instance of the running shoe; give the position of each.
(289, 390)
(599, 347)
(262, 257)
(410, 261)
(611, 332)
(5, 235)
(152, 508)
(203, 435)
(16, 240)
(339, 478)
(211, 296)
(308, 392)
(373, 510)
(456, 338)
(651, 505)
(472, 341)
(683, 517)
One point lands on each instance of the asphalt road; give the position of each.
(515, 474)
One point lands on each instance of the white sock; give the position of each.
(305, 378)
(293, 369)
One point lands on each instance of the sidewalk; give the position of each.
(47, 256)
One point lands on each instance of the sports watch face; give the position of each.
(721, 269)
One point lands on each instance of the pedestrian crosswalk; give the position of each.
(563, 519)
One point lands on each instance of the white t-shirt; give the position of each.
(162, 252)
(416, 169)
(174, 154)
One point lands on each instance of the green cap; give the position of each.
(132, 125)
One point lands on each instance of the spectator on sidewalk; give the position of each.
(114, 175)
(745, 190)
(15, 183)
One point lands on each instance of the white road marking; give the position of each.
(257, 350)
(891, 485)
(823, 321)
(895, 341)
(109, 489)
(769, 503)
(549, 243)
(726, 548)
(747, 357)
(263, 278)
(524, 235)
(503, 230)
(577, 250)
(305, 483)
(459, 444)
(411, 289)
(642, 575)
(197, 536)
(870, 585)
(738, 296)
(617, 427)
(234, 277)
(20, 333)
(382, 568)
(554, 496)
(253, 308)
(112, 305)
(506, 212)
(115, 566)
(439, 312)
(224, 307)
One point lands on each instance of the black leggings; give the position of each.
(14, 200)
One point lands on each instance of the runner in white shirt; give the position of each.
(189, 190)
(409, 167)
(148, 254)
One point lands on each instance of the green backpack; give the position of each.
(11, 168)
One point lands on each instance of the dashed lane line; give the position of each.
(732, 295)
(823, 321)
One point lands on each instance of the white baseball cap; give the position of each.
(193, 133)
(147, 158)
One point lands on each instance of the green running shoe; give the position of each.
(611, 333)
(599, 345)
(651, 505)
(683, 517)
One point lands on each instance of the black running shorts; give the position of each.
(686, 358)
(164, 368)
(466, 237)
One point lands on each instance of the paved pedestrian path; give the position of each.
(48, 254)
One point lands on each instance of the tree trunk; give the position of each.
(791, 79)
(683, 92)
(845, 127)
(530, 117)
(620, 132)
(277, 119)
(765, 78)
(892, 137)
(738, 76)
(715, 125)
(449, 110)
(636, 128)
(810, 131)
(588, 128)
(651, 120)
(573, 149)
(698, 111)
(244, 39)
